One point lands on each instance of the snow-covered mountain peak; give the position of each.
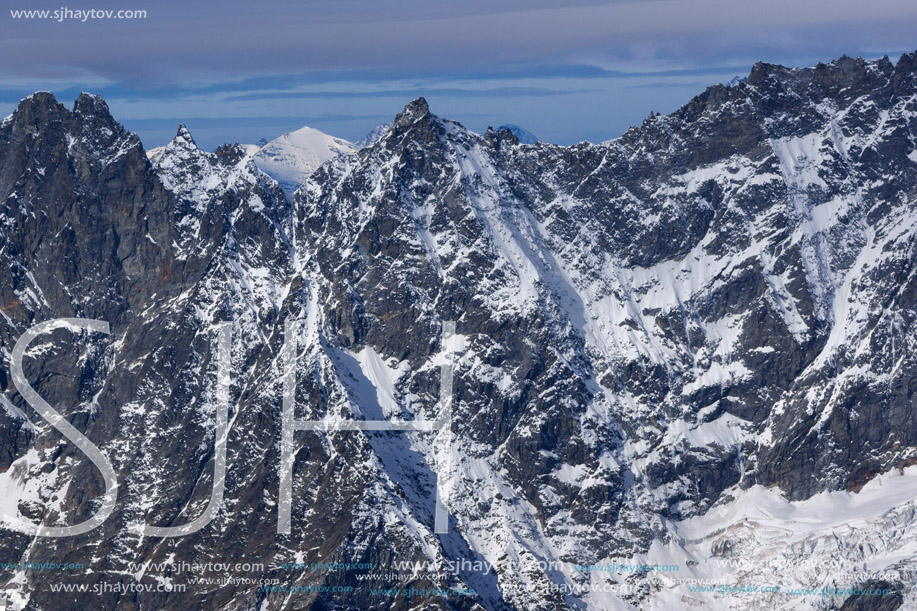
(412, 112)
(417, 127)
(183, 139)
(91, 103)
(155, 154)
(292, 157)
(197, 175)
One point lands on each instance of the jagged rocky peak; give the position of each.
(36, 112)
(415, 116)
(496, 136)
(183, 138)
(905, 71)
(100, 203)
(182, 154)
(88, 135)
(414, 110)
(231, 154)
(183, 168)
(92, 117)
(419, 138)
(844, 79)
(89, 124)
(88, 104)
(211, 183)
(795, 100)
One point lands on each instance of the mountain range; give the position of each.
(682, 365)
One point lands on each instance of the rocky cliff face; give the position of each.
(649, 330)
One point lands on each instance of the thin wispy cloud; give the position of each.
(586, 69)
(407, 93)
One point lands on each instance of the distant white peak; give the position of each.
(291, 158)
(373, 137)
(736, 81)
(525, 136)
(251, 149)
(155, 154)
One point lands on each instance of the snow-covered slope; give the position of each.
(155, 154)
(291, 158)
(757, 551)
(716, 300)
(251, 149)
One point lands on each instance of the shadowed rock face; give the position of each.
(722, 297)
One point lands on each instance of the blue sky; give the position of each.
(566, 71)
